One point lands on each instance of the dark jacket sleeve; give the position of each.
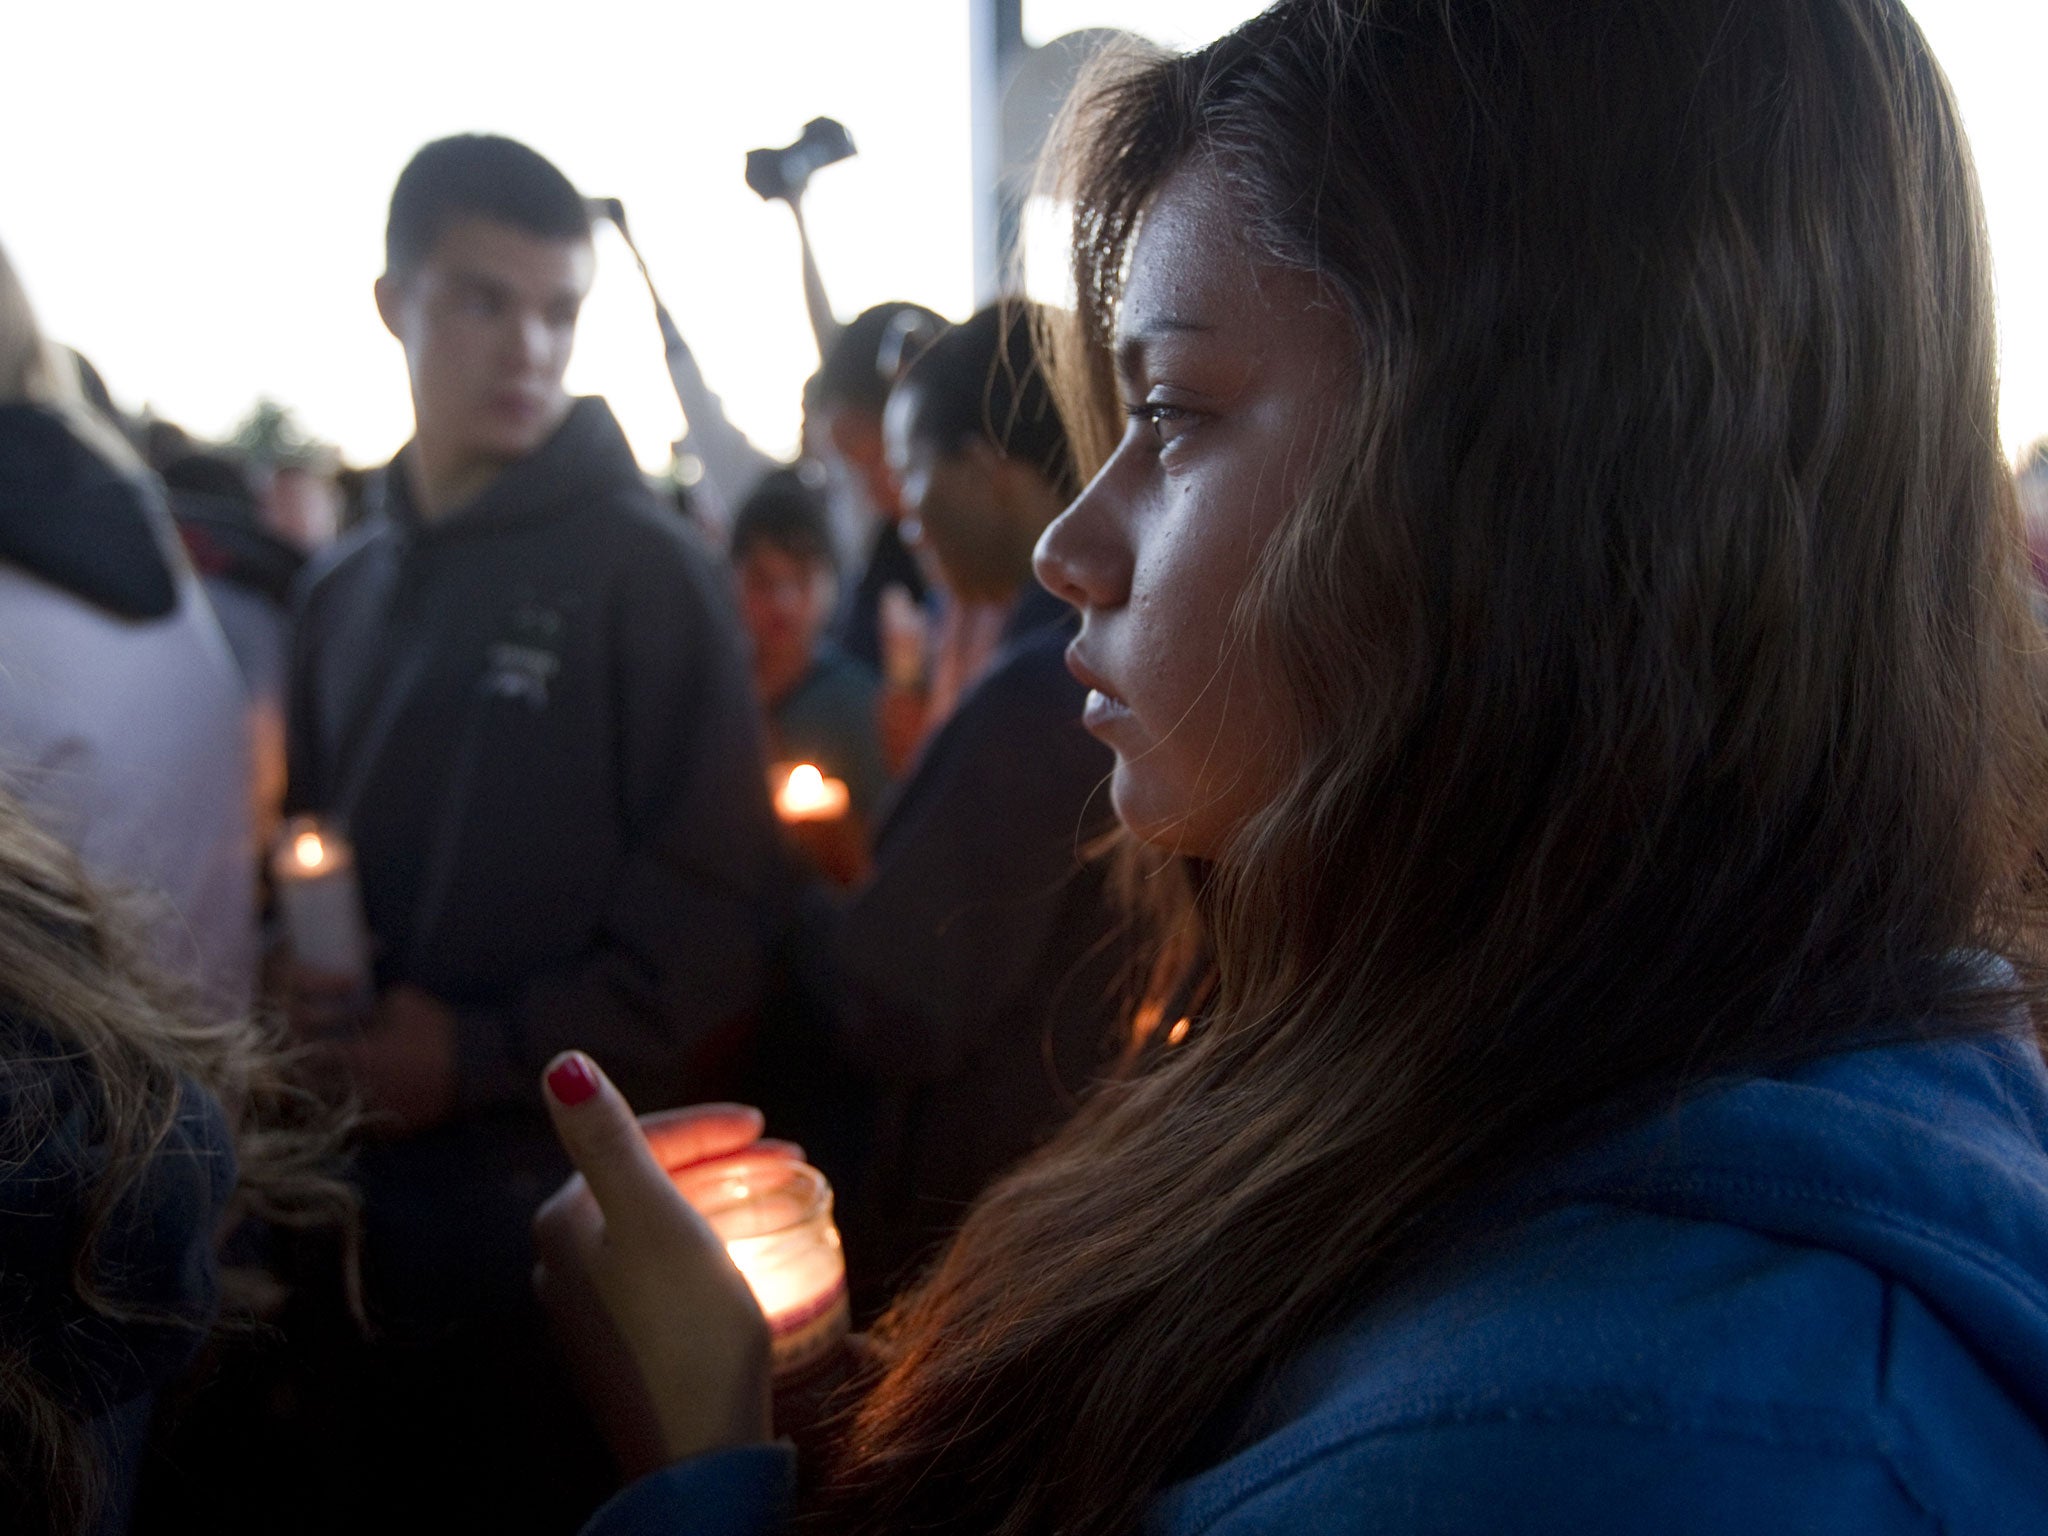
(322, 589)
(970, 872)
(303, 790)
(675, 968)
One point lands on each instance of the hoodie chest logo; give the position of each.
(522, 666)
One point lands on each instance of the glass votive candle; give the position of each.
(774, 1215)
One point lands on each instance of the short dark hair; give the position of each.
(869, 353)
(482, 175)
(983, 381)
(786, 512)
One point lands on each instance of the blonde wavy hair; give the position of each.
(71, 965)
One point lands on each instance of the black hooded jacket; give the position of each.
(533, 718)
(80, 524)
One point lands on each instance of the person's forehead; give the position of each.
(1195, 273)
(1190, 254)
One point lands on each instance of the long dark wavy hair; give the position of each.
(1665, 699)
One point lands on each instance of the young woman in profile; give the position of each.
(1555, 578)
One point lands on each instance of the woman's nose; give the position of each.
(1084, 555)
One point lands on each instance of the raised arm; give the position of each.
(824, 324)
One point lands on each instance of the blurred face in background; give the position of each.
(962, 510)
(852, 438)
(487, 322)
(786, 598)
(302, 506)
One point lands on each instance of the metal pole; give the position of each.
(995, 41)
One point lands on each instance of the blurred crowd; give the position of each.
(559, 718)
(1536, 1025)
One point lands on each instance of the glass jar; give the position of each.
(774, 1215)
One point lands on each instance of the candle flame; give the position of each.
(807, 794)
(1179, 1032)
(309, 850)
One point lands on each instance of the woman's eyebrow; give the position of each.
(1131, 344)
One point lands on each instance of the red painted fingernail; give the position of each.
(571, 1081)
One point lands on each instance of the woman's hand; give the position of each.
(686, 1346)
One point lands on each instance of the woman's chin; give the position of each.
(1149, 816)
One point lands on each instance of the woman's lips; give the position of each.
(1103, 709)
(1103, 706)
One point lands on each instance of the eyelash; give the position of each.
(1155, 413)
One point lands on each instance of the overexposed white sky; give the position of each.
(195, 193)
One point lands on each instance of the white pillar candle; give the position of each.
(774, 1215)
(805, 794)
(314, 871)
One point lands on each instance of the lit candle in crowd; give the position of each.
(314, 870)
(807, 795)
(774, 1215)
